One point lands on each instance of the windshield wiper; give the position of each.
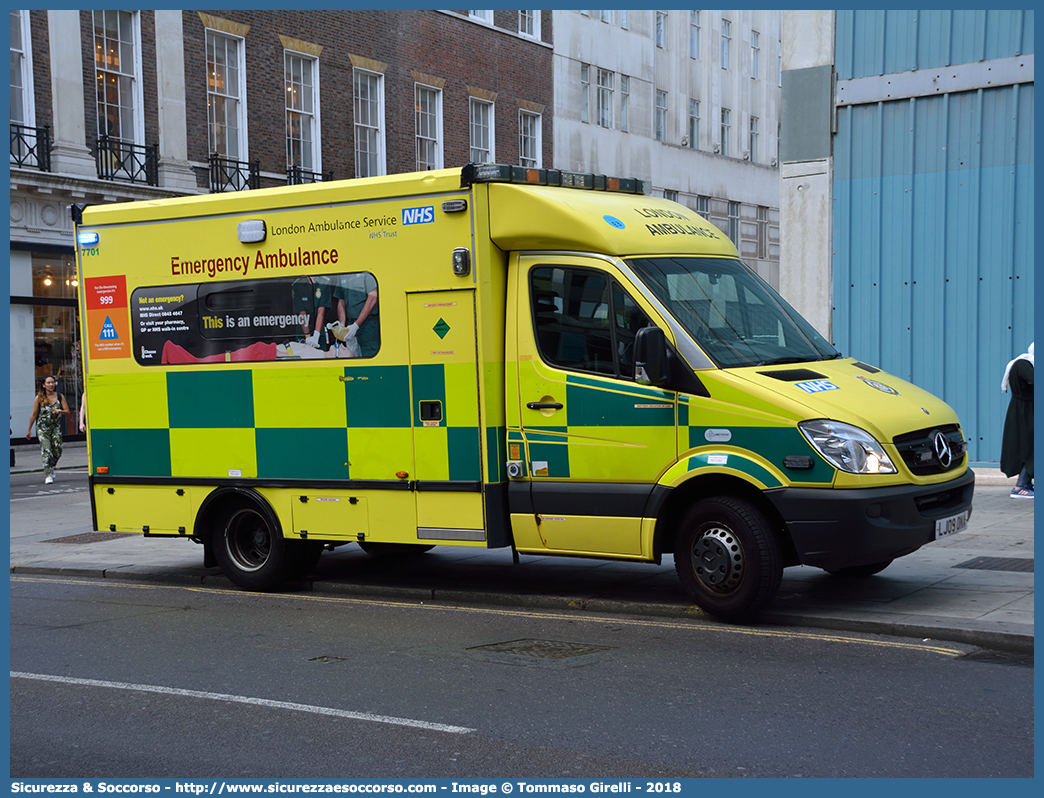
(781, 360)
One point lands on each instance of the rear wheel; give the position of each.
(727, 557)
(860, 570)
(249, 547)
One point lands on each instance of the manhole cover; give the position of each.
(1018, 564)
(541, 653)
(88, 537)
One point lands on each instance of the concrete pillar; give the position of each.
(69, 154)
(806, 166)
(174, 169)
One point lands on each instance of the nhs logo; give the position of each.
(815, 386)
(418, 215)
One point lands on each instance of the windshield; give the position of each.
(735, 317)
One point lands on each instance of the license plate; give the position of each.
(951, 525)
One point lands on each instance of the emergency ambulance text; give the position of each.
(280, 259)
(209, 266)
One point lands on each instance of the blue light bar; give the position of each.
(87, 239)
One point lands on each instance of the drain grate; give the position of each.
(88, 537)
(1023, 565)
(541, 653)
(542, 649)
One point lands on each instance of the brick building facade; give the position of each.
(113, 106)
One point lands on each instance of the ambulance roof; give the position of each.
(587, 216)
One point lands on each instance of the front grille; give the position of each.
(918, 450)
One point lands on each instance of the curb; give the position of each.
(972, 633)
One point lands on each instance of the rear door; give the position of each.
(445, 400)
(595, 441)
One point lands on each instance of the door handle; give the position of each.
(544, 405)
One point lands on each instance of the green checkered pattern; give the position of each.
(294, 422)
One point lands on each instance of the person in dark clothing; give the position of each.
(1017, 440)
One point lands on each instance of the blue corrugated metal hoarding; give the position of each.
(933, 227)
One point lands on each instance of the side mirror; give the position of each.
(650, 357)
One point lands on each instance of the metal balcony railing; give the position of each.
(31, 146)
(296, 176)
(123, 160)
(230, 175)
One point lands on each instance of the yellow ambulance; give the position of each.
(487, 357)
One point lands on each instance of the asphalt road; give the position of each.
(30, 485)
(303, 685)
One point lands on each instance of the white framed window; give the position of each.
(726, 130)
(755, 54)
(734, 225)
(670, 195)
(368, 90)
(753, 139)
(625, 101)
(529, 24)
(605, 98)
(529, 140)
(226, 93)
(606, 17)
(694, 35)
(585, 92)
(301, 74)
(623, 19)
(428, 102)
(763, 232)
(483, 146)
(22, 110)
(483, 16)
(661, 29)
(726, 42)
(661, 116)
(117, 62)
(694, 124)
(703, 207)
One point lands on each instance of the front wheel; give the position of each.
(727, 557)
(250, 548)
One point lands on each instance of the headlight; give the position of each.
(846, 447)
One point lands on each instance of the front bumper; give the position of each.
(835, 529)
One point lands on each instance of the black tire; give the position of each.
(393, 549)
(727, 557)
(305, 555)
(856, 571)
(249, 546)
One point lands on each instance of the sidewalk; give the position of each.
(975, 587)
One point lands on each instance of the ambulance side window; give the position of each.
(584, 320)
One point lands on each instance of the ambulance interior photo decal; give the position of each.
(281, 318)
